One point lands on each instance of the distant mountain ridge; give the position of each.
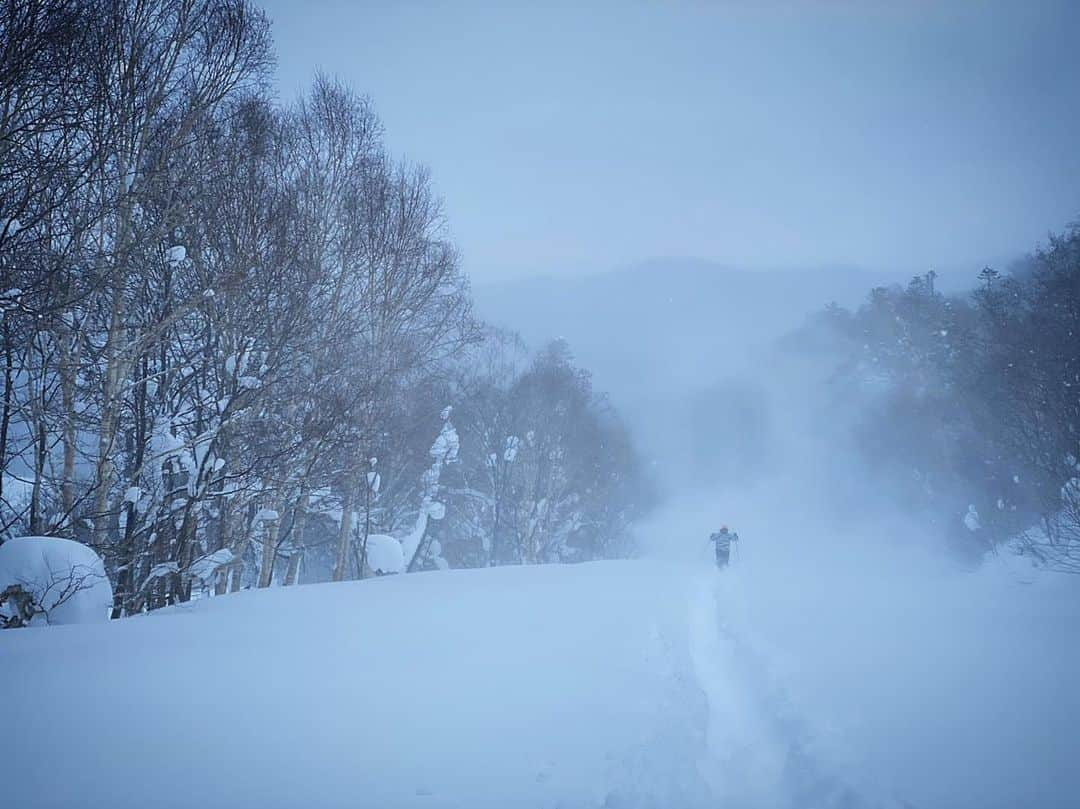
(673, 322)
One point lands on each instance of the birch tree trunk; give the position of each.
(9, 386)
(109, 420)
(269, 553)
(299, 524)
(341, 564)
(69, 358)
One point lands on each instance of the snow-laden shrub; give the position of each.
(47, 580)
(384, 554)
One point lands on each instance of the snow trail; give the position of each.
(740, 761)
(758, 751)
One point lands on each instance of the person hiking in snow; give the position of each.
(722, 540)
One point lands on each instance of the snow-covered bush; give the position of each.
(384, 554)
(47, 580)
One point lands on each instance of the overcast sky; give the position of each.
(899, 135)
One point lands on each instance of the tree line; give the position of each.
(238, 345)
(968, 404)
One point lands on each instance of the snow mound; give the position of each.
(384, 554)
(66, 580)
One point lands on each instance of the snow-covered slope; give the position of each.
(874, 656)
(789, 680)
(600, 685)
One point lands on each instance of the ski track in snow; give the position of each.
(758, 751)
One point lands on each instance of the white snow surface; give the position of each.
(67, 579)
(599, 685)
(614, 685)
(882, 665)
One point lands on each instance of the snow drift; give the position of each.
(598, 685)
(614, 685)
